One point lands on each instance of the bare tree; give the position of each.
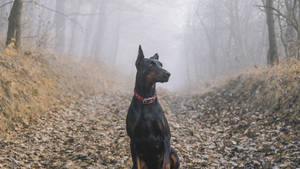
(76, 7)
(289, 32)
(298, 30)
(272, 57)
(288, 14)
(60, 24)
(93, 45)
(14, 24)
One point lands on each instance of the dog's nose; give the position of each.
(168, 73)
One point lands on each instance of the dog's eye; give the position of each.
(153, 63)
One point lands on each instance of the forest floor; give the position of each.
(252, 121)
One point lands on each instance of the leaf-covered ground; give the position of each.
(91, 134)
(251, 122)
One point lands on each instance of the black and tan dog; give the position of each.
(146, 123)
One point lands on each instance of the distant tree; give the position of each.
(288, 25)
(289, 32)
(76, 7)
(298, 31)
(92, 46)
(60, 25)
(14, 24)
(272, 57)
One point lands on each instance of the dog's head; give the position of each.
(151, 69)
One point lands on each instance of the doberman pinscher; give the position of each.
(146, 123)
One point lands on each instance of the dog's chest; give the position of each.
(150, 124)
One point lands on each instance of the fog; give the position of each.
(197, 40)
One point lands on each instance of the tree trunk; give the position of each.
(76, 8)
(60, 26)
(289, 34)
(14, 24)
(96, 43)
(116, 37)
(272, 57)
(298, 33)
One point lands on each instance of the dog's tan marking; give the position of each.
(149, 77)
(166, 166)
(138, 163)
(173, 159)
(141, 164)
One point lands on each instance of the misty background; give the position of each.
(232, 100)
(197, 40)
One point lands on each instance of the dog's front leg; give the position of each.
(133, 155)
(167, 151)
(166, 162)
(141, 164)
(175, 163)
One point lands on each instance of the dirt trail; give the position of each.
(252, 122)
(91, 134)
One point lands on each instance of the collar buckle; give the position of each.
(148, 100)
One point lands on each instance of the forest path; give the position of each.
(91, 134)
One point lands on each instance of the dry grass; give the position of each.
(275, 88)
(31, 83)
(25, 91)
(274, 91)
(256, 110)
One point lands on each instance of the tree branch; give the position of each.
(10, 2)
(49, 9)
(6, 3)
(278, 12)
(58, 12)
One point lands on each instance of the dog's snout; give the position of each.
(166, 76)
(168, 73)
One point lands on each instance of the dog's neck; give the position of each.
(144, 89)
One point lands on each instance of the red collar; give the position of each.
(148, 100)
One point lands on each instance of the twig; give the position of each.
(7, 3)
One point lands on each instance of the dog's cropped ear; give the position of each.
(155, 57)
(140, 56)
